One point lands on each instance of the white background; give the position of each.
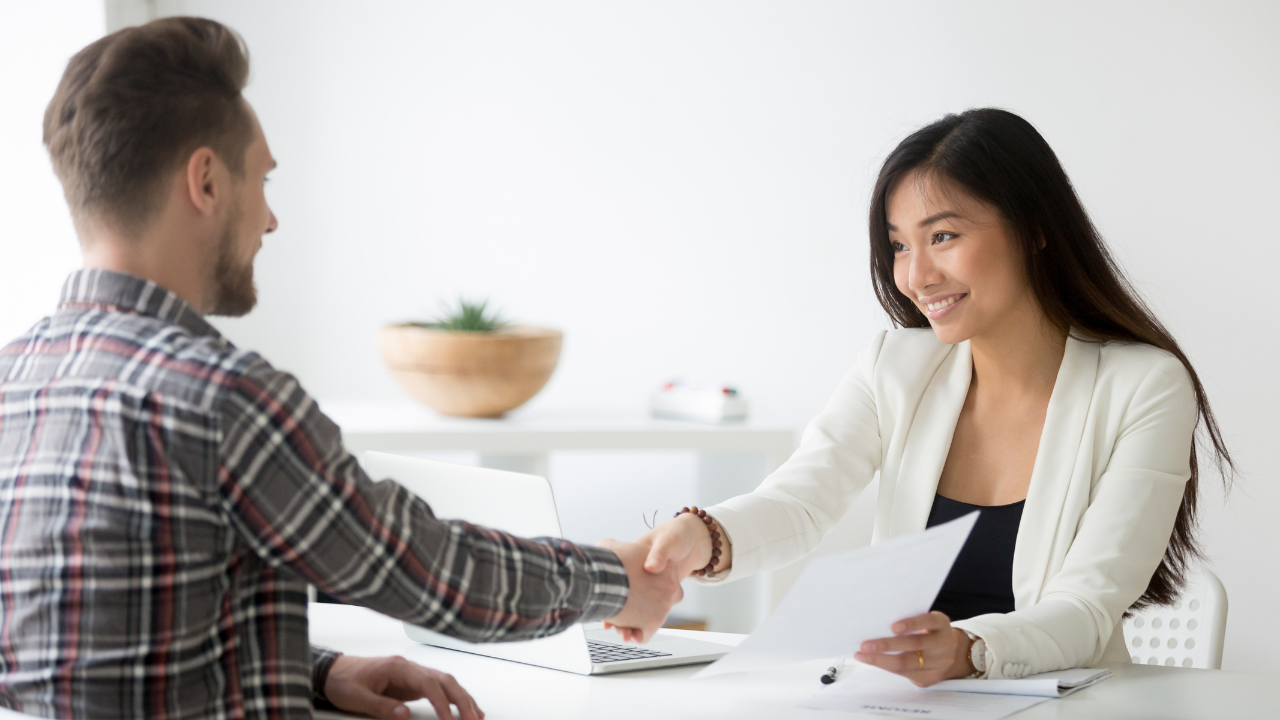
(681, 187)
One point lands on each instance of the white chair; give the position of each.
(1187, 633)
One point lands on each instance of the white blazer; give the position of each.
(1105, 489)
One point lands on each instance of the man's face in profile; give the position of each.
(248, 218)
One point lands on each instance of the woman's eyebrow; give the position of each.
(944, 215)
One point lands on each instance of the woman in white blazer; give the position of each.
(1028, 381)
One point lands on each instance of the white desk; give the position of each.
(732, 459)
(508, 690)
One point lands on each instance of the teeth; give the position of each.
(942, 303)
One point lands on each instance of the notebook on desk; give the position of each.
(524, 505)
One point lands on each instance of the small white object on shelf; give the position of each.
(699, 402)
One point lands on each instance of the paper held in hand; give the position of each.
(841, 600)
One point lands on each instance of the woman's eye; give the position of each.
(943, 236)
(897, 246)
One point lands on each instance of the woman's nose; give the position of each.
(923, 272)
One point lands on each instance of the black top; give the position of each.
(981, 581)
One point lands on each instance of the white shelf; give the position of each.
(403, 427)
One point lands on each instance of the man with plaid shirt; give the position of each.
(166, 497)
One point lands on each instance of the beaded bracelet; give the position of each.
(713, 526)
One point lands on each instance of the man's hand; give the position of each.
(650, 596)
(378, 687)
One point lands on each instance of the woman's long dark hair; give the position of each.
(999, 158)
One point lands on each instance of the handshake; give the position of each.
(656, 563)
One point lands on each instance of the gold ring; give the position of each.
(921, 656)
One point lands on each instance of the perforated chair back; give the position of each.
(1188, 633)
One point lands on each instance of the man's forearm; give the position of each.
(321, 660)
(299, 500)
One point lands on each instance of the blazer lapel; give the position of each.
(928, 443)
(1051, 476)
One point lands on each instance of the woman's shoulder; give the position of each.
(1133, 363)
(904, 354)
(1136, 357)
(912, 341)
(906, 347)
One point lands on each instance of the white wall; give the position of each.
(37, 243)
(681, 187)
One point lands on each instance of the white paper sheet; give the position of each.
(1058, 683)
(875, 691)
(841, 600)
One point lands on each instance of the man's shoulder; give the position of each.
(135, 353)
(206, 370)
(208, 373)
(172, 352)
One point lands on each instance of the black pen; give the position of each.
(832, 672)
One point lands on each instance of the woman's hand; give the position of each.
(685, 542)
(925, 649)
(650, 595)
(674, 549)
(379, 687)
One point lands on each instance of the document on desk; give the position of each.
(871, 690)
(1059, 683)
(841, 600)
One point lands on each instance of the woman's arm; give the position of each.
(684, 541)
(1121, 539)
(796, 506)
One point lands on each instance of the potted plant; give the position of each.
(470, 363)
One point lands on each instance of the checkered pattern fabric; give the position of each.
(166, 497)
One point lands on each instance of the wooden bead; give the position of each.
(716, 544)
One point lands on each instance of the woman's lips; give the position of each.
(942, 306)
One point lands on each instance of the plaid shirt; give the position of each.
(166, 497)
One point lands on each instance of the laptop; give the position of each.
(524, 505)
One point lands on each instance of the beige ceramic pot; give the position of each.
(471, 374)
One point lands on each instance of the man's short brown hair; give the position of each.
(133, 106)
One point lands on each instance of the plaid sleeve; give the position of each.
(300, 500)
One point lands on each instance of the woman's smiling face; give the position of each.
(955, 258)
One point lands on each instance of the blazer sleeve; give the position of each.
(795, 507)
(1122, 538)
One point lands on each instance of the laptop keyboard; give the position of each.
(602, 652)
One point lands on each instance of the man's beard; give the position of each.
(234, 291)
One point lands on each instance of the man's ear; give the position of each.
(202, 180)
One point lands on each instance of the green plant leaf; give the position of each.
(467, 316)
